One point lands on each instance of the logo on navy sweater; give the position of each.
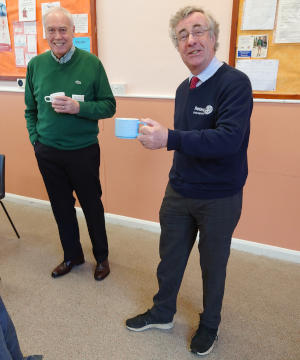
(203, 111)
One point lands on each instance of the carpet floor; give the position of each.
(77, 318)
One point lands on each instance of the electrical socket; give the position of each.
(118, 89)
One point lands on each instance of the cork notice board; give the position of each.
(287, 54)
(8, 68)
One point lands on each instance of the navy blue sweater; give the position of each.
(211, 135)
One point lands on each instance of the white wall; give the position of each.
(134, 43)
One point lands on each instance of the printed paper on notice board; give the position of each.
(83, 43)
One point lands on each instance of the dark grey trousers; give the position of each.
(180, 219)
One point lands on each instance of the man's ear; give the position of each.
(213, 37)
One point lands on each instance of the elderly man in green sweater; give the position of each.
(64, 132)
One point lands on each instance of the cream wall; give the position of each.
(135, 47)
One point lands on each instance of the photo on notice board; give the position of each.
(252, 46)
(260, 46)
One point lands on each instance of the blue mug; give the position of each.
(127, 128)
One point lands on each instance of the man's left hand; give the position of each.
(65, 104)
(153, 135)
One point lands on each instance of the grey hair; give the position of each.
(185, 12)
(56, 9)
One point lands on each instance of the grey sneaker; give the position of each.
(204, 340)
(146, 321)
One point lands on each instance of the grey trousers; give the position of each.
(180, 219)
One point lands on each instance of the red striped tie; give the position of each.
(194, 82)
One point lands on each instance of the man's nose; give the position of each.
(57, 34)
(191, 38)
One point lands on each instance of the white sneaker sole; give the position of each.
(166, 326)
(210, 349)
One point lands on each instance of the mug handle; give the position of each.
(46, 98)
(140, 123)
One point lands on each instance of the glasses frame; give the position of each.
(197, 34)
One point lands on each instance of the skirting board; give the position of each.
(241, 245)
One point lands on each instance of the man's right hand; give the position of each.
(153, 135)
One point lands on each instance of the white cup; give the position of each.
(51, 97)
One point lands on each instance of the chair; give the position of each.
(2, 190)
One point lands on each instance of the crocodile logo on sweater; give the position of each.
(203, 111)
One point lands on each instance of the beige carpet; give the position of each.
(77, 318)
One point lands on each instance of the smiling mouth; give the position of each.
(194, 52)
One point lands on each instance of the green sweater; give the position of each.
(84, 75)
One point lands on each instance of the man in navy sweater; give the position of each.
(204, 194)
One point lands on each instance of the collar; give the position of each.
(209, 71)
(66, 57)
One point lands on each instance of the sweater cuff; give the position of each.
(33, 138)
(83, 109)
(174, 140)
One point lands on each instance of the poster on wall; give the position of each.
(5, 44)
(25, 42)
(288, 24)
(262, 73)
(83, 43)
(259, 15)
(27, 10)
(81, 22)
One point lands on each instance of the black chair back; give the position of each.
(2, 176)
(2, 191)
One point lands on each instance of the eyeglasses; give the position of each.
(197, 34)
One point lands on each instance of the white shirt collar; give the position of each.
(209, 71)
(64, 59)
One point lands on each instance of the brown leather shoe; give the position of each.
(65, 267)
(102, 270)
